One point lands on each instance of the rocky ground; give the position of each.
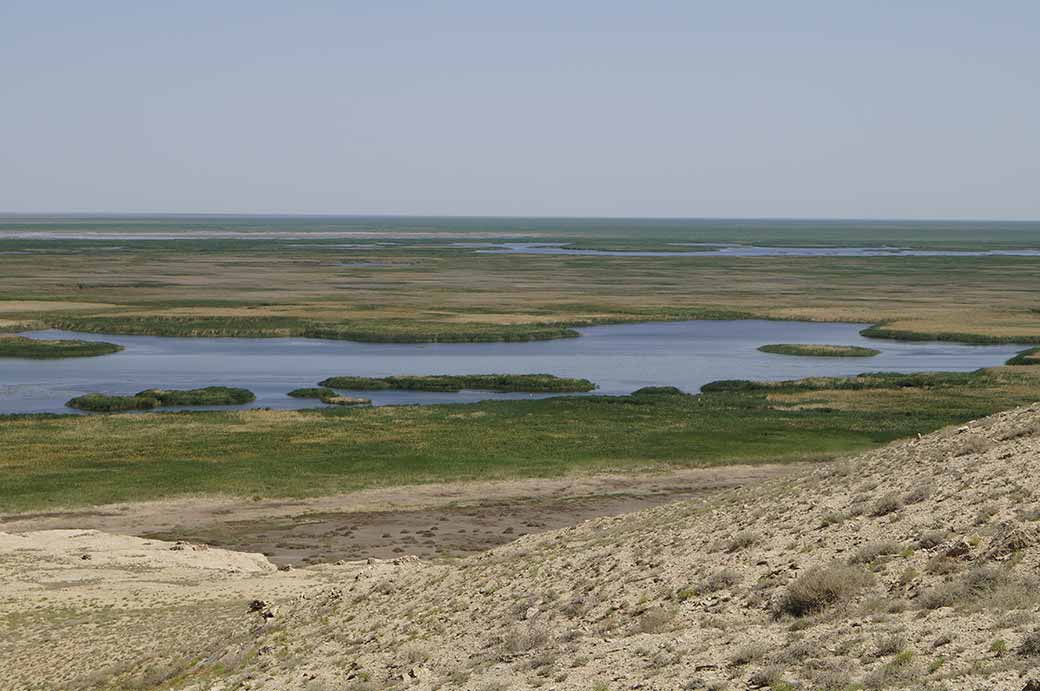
(915, 566)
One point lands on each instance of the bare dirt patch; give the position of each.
(429, 521)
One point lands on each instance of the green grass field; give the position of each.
(53, 461)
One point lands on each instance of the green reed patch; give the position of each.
(818, 350)
(528, 383)
(159, 398)
(53, 349)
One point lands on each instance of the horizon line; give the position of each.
(566, 217)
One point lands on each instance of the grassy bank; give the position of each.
(818, 350)
(83, 460)
(160, 398)
(896, 334)
(53, 349)
(529, 383)
(1026, 357)
(364, 330)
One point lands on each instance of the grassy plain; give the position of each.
(422, 288)
(403, 280)
(52, 461)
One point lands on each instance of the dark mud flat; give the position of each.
(427, 533)
(430, 521)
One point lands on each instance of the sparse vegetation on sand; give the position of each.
(1026, 357)
(53, 349)
(529, 383)
(162, 398)
(329, 396)
(818, 350)
(329, 450)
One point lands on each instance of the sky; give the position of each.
(857, 109)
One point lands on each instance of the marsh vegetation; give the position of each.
(528, 383)
(328, 396)
(818, 350)
(432, 291)
(1026, 357)
(162, 398)
(329, 450)
(53, 349)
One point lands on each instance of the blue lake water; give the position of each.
(618, 358)
(707, 249)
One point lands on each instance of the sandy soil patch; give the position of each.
(21, 306)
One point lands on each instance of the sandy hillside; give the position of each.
(916, 566)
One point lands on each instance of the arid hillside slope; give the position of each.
(913, 566)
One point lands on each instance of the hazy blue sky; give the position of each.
(580, 107)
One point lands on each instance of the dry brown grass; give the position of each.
(822, 587)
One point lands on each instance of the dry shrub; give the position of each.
(719, 580)
(987, 587)
(749, 652)
(767, 677)
(655, 620)
(1031, 429)
(523, 639)
(1030, 646)
(918, 493)
(974, 445)
(887, 504)
(741, 540)
(932, 538)
(890, 645)
(821, 587)
(872, 550)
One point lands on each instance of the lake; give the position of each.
(619, 358)
(709, 249)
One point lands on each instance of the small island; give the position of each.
(53, 349)
(160, 398)
(818, 350)
(527, 383)
(328, 396)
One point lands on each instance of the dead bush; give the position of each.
(872, 550)
(655, 620)
(821, 587)
(932, 538)
(889, 503)
(974, 446)
(741, 540)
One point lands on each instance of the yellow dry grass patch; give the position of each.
(983, 322)
(22, 306)
(867, 399)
